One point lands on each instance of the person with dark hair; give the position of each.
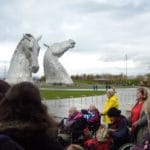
(4, 86)
(138, 118)
(118, 129)
(6, 143)
(25, 119)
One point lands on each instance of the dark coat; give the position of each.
(29, 136)
(6, 143)
(75, 125)
(77, 128)
(120, 135)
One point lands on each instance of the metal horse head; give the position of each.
(31, 49)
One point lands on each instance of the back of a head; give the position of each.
(144, 92)
(113, 112)
(24, 94)
(111, 92)
(22, 109)
(72, 110)
(4, 86)
(25, 97)
(25, 91)
(92, 107)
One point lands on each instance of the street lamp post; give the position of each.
(126, 65)
(126, 59)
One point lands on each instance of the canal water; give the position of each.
(59, 107)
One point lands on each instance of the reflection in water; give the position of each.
(60, 108)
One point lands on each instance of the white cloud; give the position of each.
(104, 31)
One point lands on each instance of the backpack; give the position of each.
(102, 135)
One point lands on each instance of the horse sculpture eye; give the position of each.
(31, 49)
(38, 50)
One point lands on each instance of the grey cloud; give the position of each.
(18, 17)
(122, 8)
(110, 29)
(142, 61)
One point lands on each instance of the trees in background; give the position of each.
(120, 79)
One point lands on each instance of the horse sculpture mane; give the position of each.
(24, 61)
(54, 71)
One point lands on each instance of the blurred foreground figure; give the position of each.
(25, 119)
(4, 86)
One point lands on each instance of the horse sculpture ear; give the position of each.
(26, 37)
(39, 38)
(46, 45)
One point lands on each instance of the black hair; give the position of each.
(113, 112)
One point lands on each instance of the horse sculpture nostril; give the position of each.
(35, 69)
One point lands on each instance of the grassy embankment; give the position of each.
(49, 92)
(60, 94)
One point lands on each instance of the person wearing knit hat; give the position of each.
(114, 112)
(118, 129)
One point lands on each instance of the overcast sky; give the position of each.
(105, 31)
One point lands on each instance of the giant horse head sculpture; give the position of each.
(55, 73)
(24, 61)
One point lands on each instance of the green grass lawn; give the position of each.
(60, 94)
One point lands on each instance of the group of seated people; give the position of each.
(110, 137)
(113, 136)
(116, 134)
(78, 121)
(118, 130)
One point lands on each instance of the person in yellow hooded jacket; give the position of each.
(111, 101)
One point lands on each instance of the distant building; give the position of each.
(102, 80)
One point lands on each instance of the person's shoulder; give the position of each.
(115, 97)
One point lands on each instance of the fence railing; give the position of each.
(59, 107)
